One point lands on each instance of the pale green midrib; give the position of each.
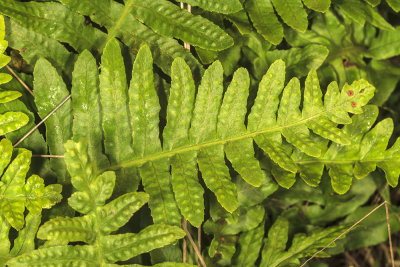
(349, 161)
(99, 235)
(116, 27)
(197, 147)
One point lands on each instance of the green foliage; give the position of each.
(218, 135)
(9, 121)
(352, 43)
(16, 193)
(97, 223)
(274, 252)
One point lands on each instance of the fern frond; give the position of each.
(9, 121)
(50, 91)
(175, 22)
(204, 129)
(249, 245)
(121, 23)
(274, 252)
(15, 193)
(55, 21)
(115, 121)
(368, 150)
(33, 45)
(24, 243)
(98, 221)
(86, 107)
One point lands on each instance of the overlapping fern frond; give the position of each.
(9, 121)
(99, 220)
(159, 23)
(202, 129)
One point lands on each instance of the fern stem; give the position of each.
(199, 242)
(184, 245)
(42, 121)
(389, 233)
(20, 80)
(196, 249)
(48, 156)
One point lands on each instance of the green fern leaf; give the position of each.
(63, 256)
(33, 45)
(250, 244)
(115, 122)
(318, 5)
(167, 264)
(178, 23)
(121, 23)
(373, 2)
(125, 246)
(184, 178)
(394, 4)
(144, 112)
(55, 21)
(292, 13)
(274, 252)
(231, 122)
(8, 96)
(204, 128)
(367, 150)
(361, 12)
(9, 121)
(99, 221)
(15, 194)
(86, 107)
(50, 91)
(264, 20)
(25, 241)
(118, 212)
(220, 6)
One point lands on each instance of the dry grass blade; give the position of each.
(48, 156)
(349, 229)
(42, 121)
(20, 80)
(196, 249)
(389, 233)
(184, 245)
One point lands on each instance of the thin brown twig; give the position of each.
(345, 232)
(351, 259)
(199, 242)
(42, 121)
(20, 80)
(47, 156)
(389, 234)
(184, 249)
(196, 249)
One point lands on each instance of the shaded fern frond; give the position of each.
(274, 252)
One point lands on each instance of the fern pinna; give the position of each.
(202, 129)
